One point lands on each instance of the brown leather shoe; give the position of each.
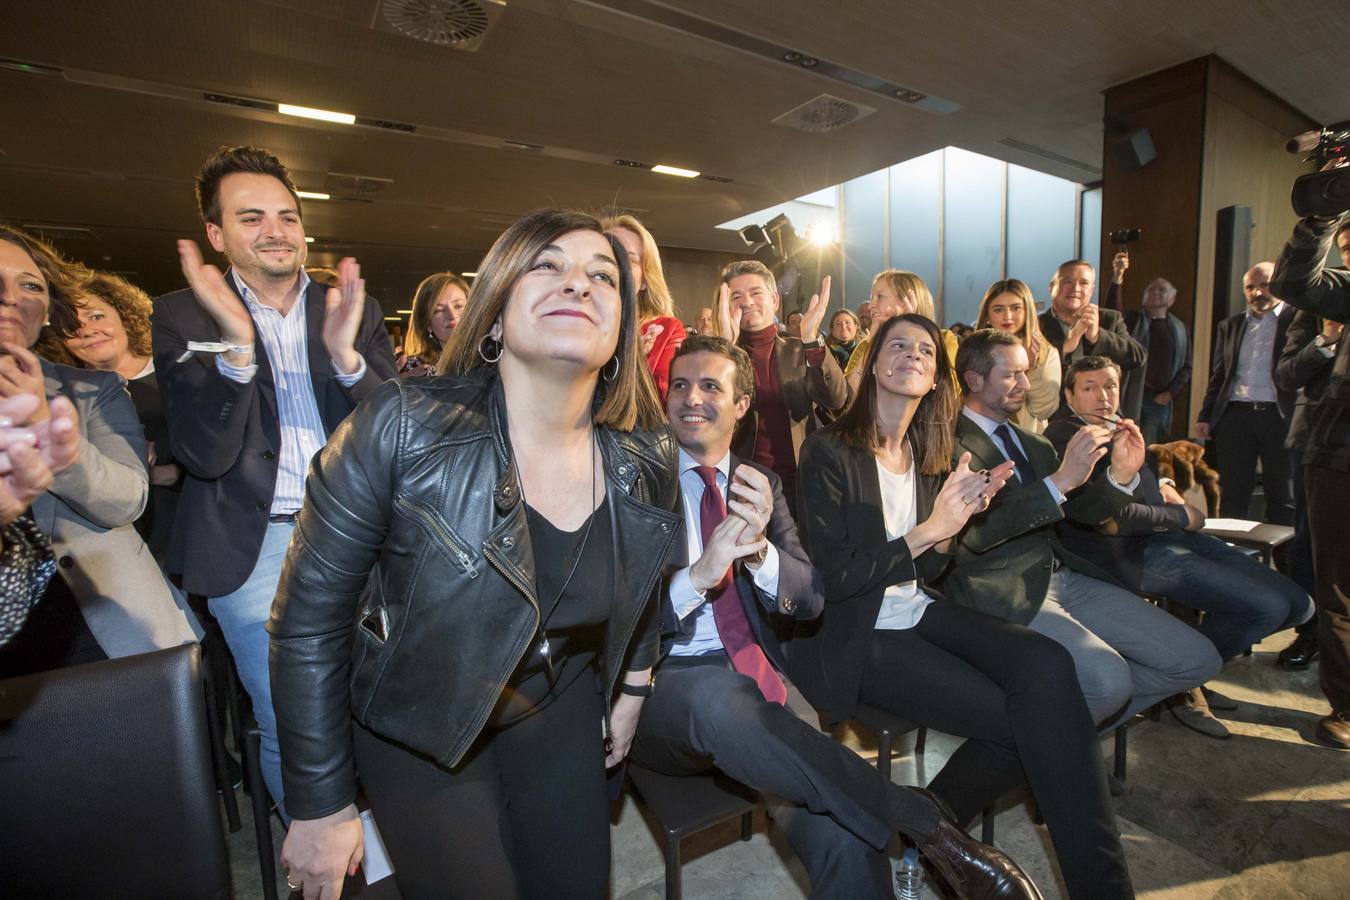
(1334, 731)
(974, 871)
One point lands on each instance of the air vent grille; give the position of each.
(824, 113)
(459, 24)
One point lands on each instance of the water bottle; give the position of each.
(909, 877)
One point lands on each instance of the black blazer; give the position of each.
(1113, 342)
(1224, 361)
(844, 529)
(801, 592)
(227, 435)
(1005, 555)
(1117, 545)
(1304, 371)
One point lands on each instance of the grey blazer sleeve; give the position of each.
(110, 482)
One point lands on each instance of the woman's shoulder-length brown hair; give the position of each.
(932, 430)
(628, 401)
(420, 341)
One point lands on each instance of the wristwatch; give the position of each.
(758, 559)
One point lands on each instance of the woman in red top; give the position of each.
(662, 333)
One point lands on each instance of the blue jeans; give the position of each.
(1155, 421)
(1243, 600)
(243, 620)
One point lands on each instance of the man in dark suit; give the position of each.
(1077, 327)
(795, 375)
(256, 367)
(1154, 546)
(1149, 391)
(1245, 411)
(719, 697)
(1303, 278)
(1011, 563)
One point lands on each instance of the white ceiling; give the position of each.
(113, 140)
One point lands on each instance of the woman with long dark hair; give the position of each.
(471, 583)
(881, 502)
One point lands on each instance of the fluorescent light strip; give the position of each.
(393, 318)
(468, 274)
(675, 170)
(404, 312)
(309, 240)
(323, 115)
(311, 195)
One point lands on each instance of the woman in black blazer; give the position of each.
(879, 509)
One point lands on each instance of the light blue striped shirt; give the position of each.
(287, 344)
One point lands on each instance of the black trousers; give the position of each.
(1329, 520)
(525, 815)
(1241, 437)
(1299, 558)
(838, 812)
(1014, 693)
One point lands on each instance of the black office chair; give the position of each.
(107, 783)
(685, 805)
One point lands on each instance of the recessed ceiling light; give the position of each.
(309, 240)
(404, 312)
(393, 319)
(323, 115)
(311, 195)
(675, 170)
(468, 274)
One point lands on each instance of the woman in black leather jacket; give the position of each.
(470, 581)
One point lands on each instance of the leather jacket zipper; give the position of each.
(428, 520)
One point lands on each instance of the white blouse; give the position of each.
(903, 604)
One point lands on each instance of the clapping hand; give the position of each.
(963, 494)
(809, 326)
(21, 373)
(344, 308)
(220, 303)
(728, 315)
(32, 454)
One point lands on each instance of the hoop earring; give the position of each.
(610, 376)
(485, 358)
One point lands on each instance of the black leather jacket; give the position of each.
(408, 593)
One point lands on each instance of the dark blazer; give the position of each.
(1004, 555)
(227, 435)
(1304, 370)
(1224, 362)
(1137, 323)
(1118, 544)
(801, 591)
(844, 529)
(1113, 341)
(804, 389)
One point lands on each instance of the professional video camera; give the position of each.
(1325, 193)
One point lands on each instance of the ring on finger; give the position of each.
(294, 887)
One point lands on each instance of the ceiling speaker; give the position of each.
(824, 113)
(458, 24)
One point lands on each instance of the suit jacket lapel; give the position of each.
(320, 364)
(984, 453)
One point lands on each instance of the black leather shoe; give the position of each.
(1300, 654)
(974, 871)
(1334, 731)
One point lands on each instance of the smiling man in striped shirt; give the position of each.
(257, 367)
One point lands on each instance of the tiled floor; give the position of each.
(1263, 815)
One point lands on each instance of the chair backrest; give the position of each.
(105, 782)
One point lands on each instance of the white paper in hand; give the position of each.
(375, 863)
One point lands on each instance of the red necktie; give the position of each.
(732, 626)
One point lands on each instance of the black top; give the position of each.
(1158, 374)
(575, 625)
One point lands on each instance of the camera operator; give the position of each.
(1302, 280)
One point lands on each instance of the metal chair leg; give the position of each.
(1120, 752)
(674, 888)
(262, 810)
(747, 825)
(222, 772)
(987, 825)
(921, 740)
(884, 741)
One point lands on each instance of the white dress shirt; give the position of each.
(1252, 380)
(902, 605)
(687, 601)
(286, 341)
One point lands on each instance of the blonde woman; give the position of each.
(1008, 306)
(895, 292)
(662, 333)
(438, 305)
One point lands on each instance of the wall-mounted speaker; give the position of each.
(1136, 150)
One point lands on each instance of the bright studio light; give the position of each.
(323, 115)
(675, 170)
(820, 233)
